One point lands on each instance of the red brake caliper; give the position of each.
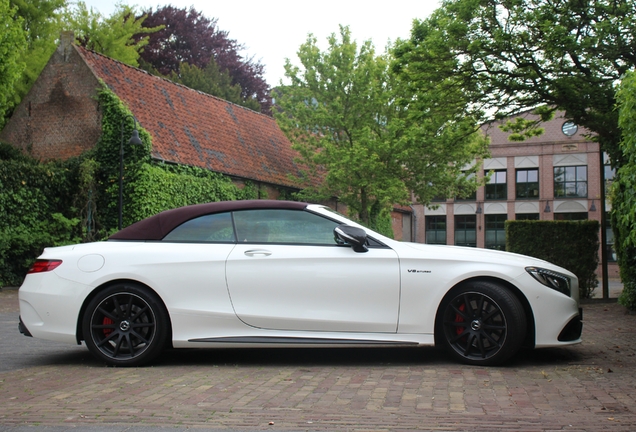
(107, 321)
(459, 318)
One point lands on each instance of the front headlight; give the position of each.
(551, 279)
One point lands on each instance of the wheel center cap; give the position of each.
(124, 325)
(475, 325)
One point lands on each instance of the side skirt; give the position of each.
(300, 341)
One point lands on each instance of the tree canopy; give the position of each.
(623, 191)
(189, 37)
(121, 36)
(358, 130)
(212, 81)
(40, 21)
(513, 56)
(12, 45)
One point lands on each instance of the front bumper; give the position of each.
(573, 329)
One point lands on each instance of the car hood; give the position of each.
(483, 255)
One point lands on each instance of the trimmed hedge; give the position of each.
(572, 245)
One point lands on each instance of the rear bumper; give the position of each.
(25, 331)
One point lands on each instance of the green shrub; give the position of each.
(572, 245)
(20, 245)
(35, 210)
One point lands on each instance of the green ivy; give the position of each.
(160, 187)
(148, 187)
(115, 117)
(36, 210)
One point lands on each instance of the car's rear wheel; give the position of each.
(481, 323)
(125, 325)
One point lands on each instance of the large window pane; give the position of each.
(436, 230)
(527, 183)
(570, 182)
(527, 216)
(465, 230)
(496, 188)
(495, 232)
(609, 175)
(570, 216)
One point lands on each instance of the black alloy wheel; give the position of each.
(125, 325)
(481, 323)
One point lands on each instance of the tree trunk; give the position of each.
(364, 207)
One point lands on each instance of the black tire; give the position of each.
(481, 323)
(125, 325)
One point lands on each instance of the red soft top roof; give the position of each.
(158, 226)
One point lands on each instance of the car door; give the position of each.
(288, 273)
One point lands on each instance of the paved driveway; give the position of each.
(591, 386)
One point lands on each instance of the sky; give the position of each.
(274, 30)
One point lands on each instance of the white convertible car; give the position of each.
(289, 274)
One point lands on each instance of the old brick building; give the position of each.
(60, 117)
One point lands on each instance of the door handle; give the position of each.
(257, 252)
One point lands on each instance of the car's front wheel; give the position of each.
(481, 323)
(125, 325)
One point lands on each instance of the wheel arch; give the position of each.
(78, 329)
(530, 338)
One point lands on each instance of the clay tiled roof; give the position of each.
(192, 128)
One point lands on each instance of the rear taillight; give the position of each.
(42, 265)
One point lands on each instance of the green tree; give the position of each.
(213, 81)
(624, 192)
(12, 46)
(112, 36)
(191, 37)
(41, 22)
(358, 136)
(512, 56)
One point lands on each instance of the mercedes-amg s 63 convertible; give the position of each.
(288, 274)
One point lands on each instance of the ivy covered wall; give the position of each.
(54, 203)
(149, 187)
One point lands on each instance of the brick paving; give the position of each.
(591, 386)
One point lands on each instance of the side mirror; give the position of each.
(356, 237)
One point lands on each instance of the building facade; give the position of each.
(555, 176)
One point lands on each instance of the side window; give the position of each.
(214, 228)
(283, 226)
